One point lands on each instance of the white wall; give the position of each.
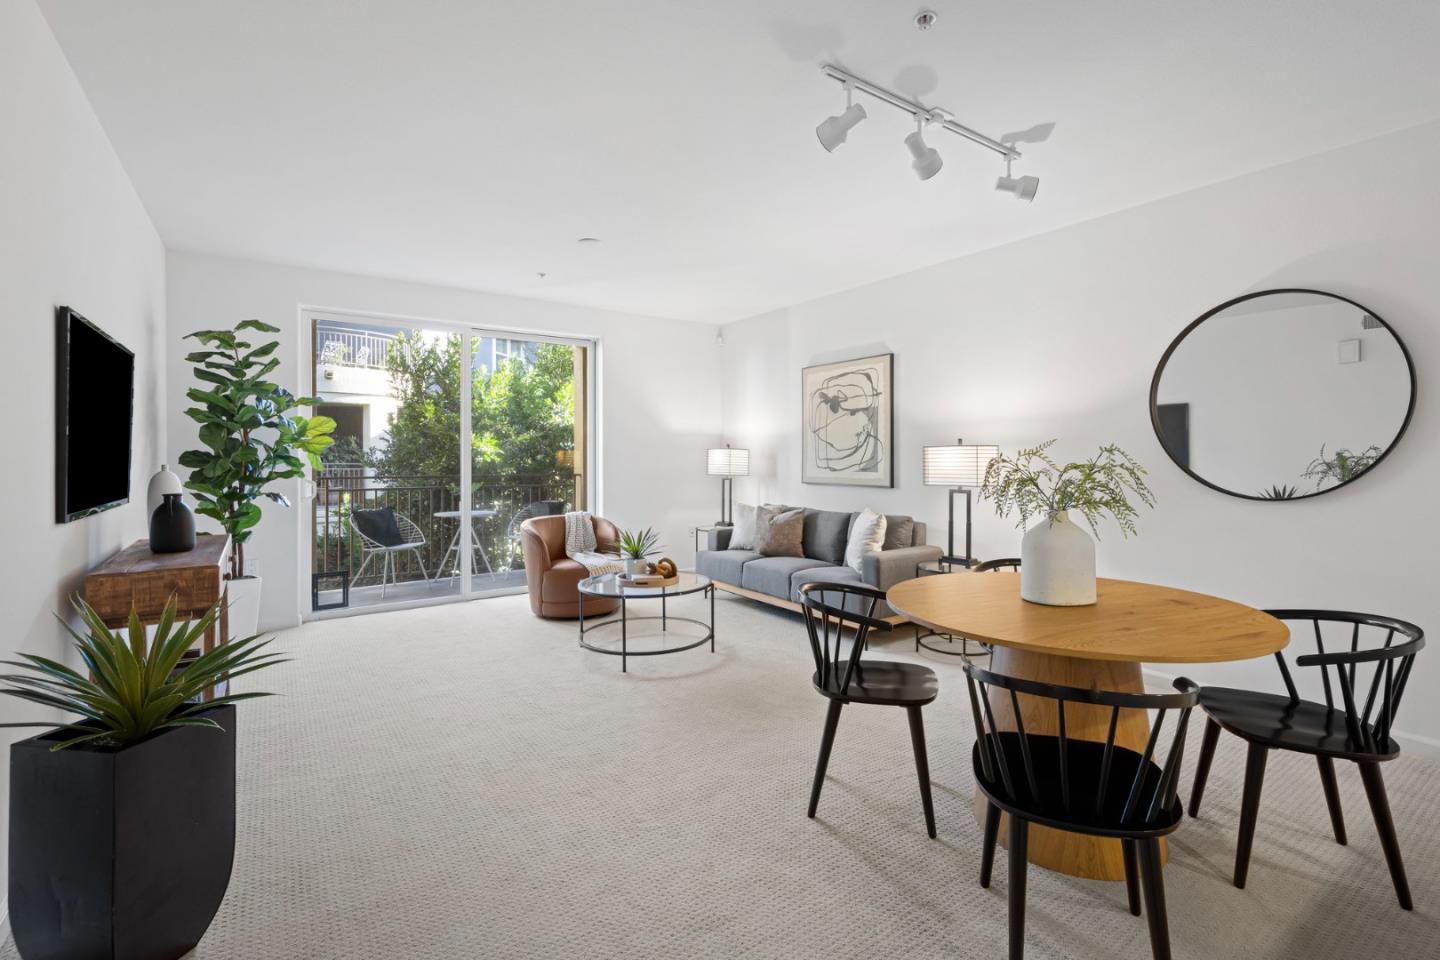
(74, 233)
(659, 405)
(1058, 336)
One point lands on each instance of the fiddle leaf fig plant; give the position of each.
(1034, 484)
(250, 437)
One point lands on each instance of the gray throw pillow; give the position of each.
(779, 533)
(899, 531)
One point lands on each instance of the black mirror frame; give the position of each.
(1174, 345)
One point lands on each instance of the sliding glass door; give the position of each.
(422, 496)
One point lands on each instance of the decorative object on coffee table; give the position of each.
(961, 467)
(613, 587)
(848, 422)
(727, 462)
(172, 526)
(636, 547)
(1058, 557)
(122, 823)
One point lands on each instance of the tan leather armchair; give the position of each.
(552, 577)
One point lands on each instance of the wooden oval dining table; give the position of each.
(1099, 646)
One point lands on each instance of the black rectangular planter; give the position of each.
(121, 854)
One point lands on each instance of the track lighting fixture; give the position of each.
(833, 130)
(1024, 188)
(927, 160)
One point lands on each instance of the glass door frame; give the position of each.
(469, 334)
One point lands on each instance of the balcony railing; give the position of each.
(341, 488)
(353, 348)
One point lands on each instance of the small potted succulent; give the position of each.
(636, 546)
(122, 822)
(1057, 557)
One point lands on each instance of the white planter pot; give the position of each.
(244, 606)
(1057, 564)
(634, 567)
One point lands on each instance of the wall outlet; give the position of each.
(252, 567)
(691, 531)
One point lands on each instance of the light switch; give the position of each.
(1349, 351)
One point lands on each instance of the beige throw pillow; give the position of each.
(779, 533)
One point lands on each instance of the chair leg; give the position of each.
(1153, 882)
(1332, 797)
(1385, 826)
(1019, 860)
(363, 564)
(987, 852)
(1132, 877)
(423, 572)
(1249, 809)
(384, 576)
(1202, 767)
(922, 766)
(827, 740)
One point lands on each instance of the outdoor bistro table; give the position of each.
(454, 549)
(608, 585)
(1096, 647)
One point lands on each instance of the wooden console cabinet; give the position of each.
(135, 578)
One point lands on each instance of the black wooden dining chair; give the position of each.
(1001, 563)
(849, 679)
(1083, 786)
(1269, 721)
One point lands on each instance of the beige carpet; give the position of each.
(465, 782)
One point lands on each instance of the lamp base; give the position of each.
(722, 523)
(966, 562)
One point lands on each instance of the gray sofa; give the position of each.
(778, 579)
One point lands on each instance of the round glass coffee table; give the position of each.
(609, 587)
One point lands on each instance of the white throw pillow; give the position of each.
(742, 535)
(867, 535)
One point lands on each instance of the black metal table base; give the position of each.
(624, 621)
(963, 650)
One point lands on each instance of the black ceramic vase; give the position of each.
(172, 526)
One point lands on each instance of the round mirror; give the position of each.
(1282, 394)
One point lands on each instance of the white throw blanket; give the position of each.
(580, 546)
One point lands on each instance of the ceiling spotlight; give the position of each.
(927, 159)
(833, 130)
(1023, 187)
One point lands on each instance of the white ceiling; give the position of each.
(471, 143)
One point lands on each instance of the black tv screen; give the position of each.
(95, 396)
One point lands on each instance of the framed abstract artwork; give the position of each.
(848, 422)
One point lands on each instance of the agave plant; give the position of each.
(1280, 491)
(638, 544)
(134, 690)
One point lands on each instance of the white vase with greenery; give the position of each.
(1057, 557)
(636, 546)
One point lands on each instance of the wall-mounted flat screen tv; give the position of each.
(94, 407)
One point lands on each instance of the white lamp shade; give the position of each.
(958, 465)
(727, 462)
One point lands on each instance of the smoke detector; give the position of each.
(925, 19)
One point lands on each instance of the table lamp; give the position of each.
(961, 467)
(727, 462)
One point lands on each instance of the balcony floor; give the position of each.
(407, 591)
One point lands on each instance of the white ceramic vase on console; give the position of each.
(1057, 563)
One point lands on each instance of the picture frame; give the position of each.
(847, 418)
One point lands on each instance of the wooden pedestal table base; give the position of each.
(1096, 647)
